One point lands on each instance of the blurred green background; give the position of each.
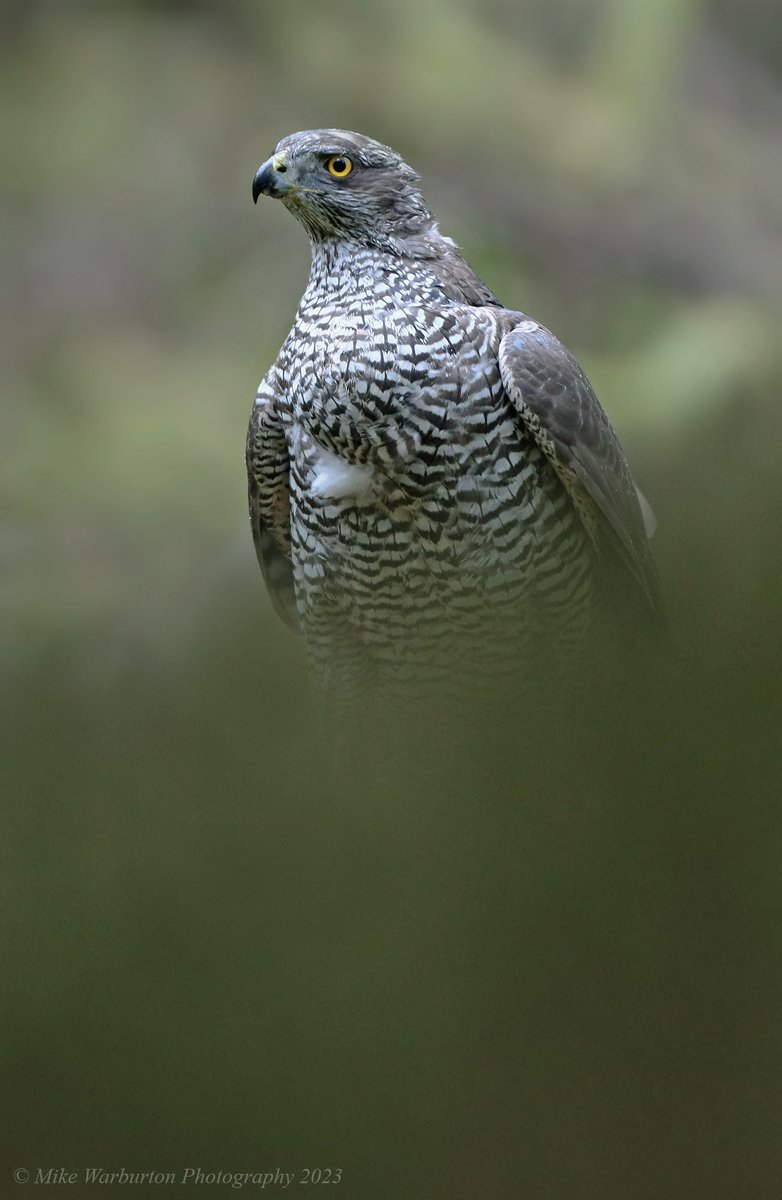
(543, 961)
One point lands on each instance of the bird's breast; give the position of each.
(395, 407)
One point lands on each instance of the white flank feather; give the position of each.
(339, 479)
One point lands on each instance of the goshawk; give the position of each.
(434, 487)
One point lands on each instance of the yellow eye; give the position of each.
(339, 166)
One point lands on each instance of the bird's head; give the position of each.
(347, 186)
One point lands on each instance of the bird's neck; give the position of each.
(424, 267)
(337, 259)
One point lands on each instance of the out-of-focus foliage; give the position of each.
(541, 961)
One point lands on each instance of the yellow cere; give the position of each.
(339, 166)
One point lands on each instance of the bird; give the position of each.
(435, 491)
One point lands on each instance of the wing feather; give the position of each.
(557, 404)
(268, 475)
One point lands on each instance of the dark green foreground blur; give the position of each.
(537, 961)
(523, 952)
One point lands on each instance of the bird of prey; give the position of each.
(433, 485)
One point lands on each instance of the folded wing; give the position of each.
(556, 402)
(268, 474)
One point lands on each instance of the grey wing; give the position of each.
(557, 404)
(268, 476)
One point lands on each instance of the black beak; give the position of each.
(267, 182)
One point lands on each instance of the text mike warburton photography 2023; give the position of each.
(100, 1177)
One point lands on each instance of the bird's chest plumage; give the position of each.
(366, 374)
(411, 479)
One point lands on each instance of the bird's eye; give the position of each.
(339, 166)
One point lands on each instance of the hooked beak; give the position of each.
(269, 180)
